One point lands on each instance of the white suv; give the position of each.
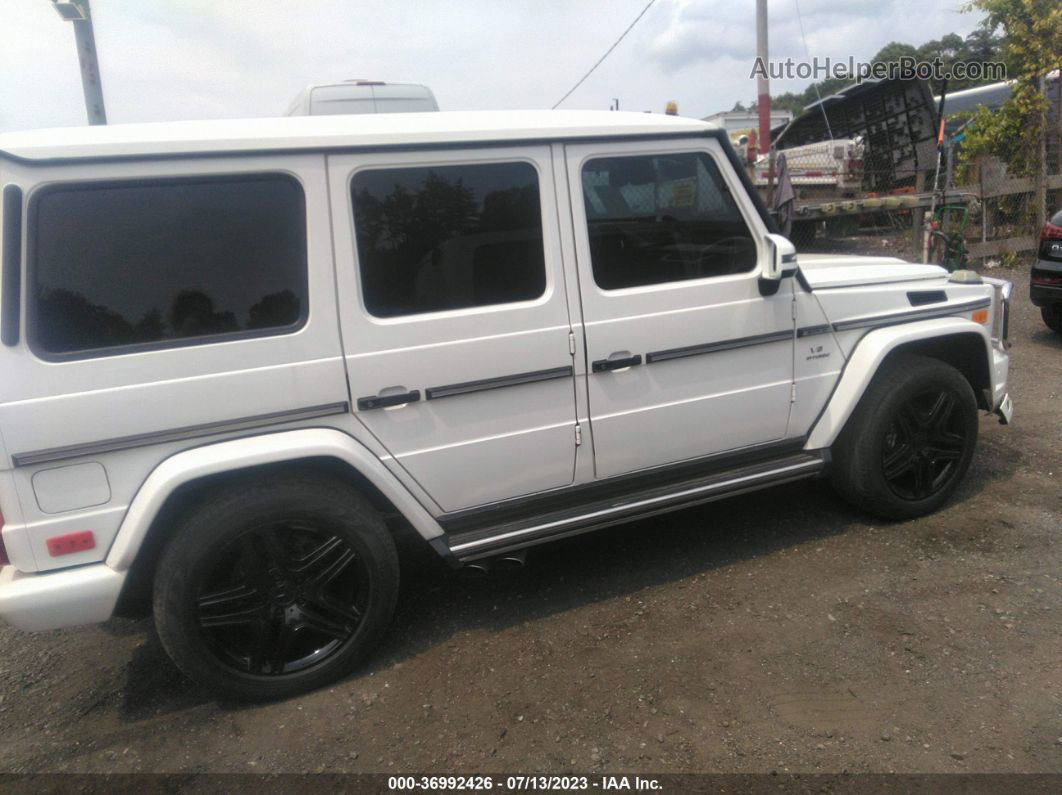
(230, 349)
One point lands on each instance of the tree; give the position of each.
(1017, 134)
(1031, 47)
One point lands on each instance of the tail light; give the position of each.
(1046, 277)
(1051, 232)
(3, 550)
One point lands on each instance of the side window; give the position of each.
(162, 263)
(662, 218)
(437, 238)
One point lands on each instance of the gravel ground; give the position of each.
(779, 631)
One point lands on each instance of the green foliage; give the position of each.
(996, 134)
(1032, 47)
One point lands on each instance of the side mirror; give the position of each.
(781, 258)
(781, 262)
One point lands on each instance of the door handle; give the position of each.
(601, 365)
(383, 401)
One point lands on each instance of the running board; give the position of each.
(484, 542)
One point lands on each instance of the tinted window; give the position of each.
(662, 218)
(141, 264)
(448, 237)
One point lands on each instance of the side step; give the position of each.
(488, 541)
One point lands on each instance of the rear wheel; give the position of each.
(1052, 315)
(276, 588)
(910, 440)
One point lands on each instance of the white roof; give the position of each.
(327, 132)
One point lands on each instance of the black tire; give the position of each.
(276, 587)
(910, 440)
(1052, 315)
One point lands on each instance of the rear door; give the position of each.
(686, 357)
(454, 318)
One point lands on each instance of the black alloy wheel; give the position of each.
(275, 586)
(909, 441)
(281, 598)
(924, 444)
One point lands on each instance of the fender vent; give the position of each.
(923, 297)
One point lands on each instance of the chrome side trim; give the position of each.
(705, 491)
(176, 434)
(513, 509)
(723, 345)
(893, 318)
(436, 392)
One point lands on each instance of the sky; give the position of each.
(165, 60)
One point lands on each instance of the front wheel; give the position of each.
(910, 440)
(275, 588)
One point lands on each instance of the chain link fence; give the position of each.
(887, 191)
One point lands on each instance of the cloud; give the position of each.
(704, 31)
(181, 59)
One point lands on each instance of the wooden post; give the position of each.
(918, 217)
(1040, 196)
(984, 209)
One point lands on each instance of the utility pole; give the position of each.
(763, 92)
(78, 12)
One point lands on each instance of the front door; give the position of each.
(685, 357)
(454, 318)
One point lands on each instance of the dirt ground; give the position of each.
(780, 631)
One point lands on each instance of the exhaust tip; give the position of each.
(476, 570)
(511, 561)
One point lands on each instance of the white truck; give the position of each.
(362, 96)
(823, 170)
(233, 351)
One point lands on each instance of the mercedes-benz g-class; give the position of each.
(232, 349)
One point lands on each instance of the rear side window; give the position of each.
(159, 264)
(662, 218)
(438, 238)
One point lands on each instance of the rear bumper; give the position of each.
(66, 598)
(1044, 295)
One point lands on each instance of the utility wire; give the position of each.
(807, 55)
(607, 53)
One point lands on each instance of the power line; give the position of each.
(607, 53)
(807, 56)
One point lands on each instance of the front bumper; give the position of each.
(56, 599)
(1005, 410)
